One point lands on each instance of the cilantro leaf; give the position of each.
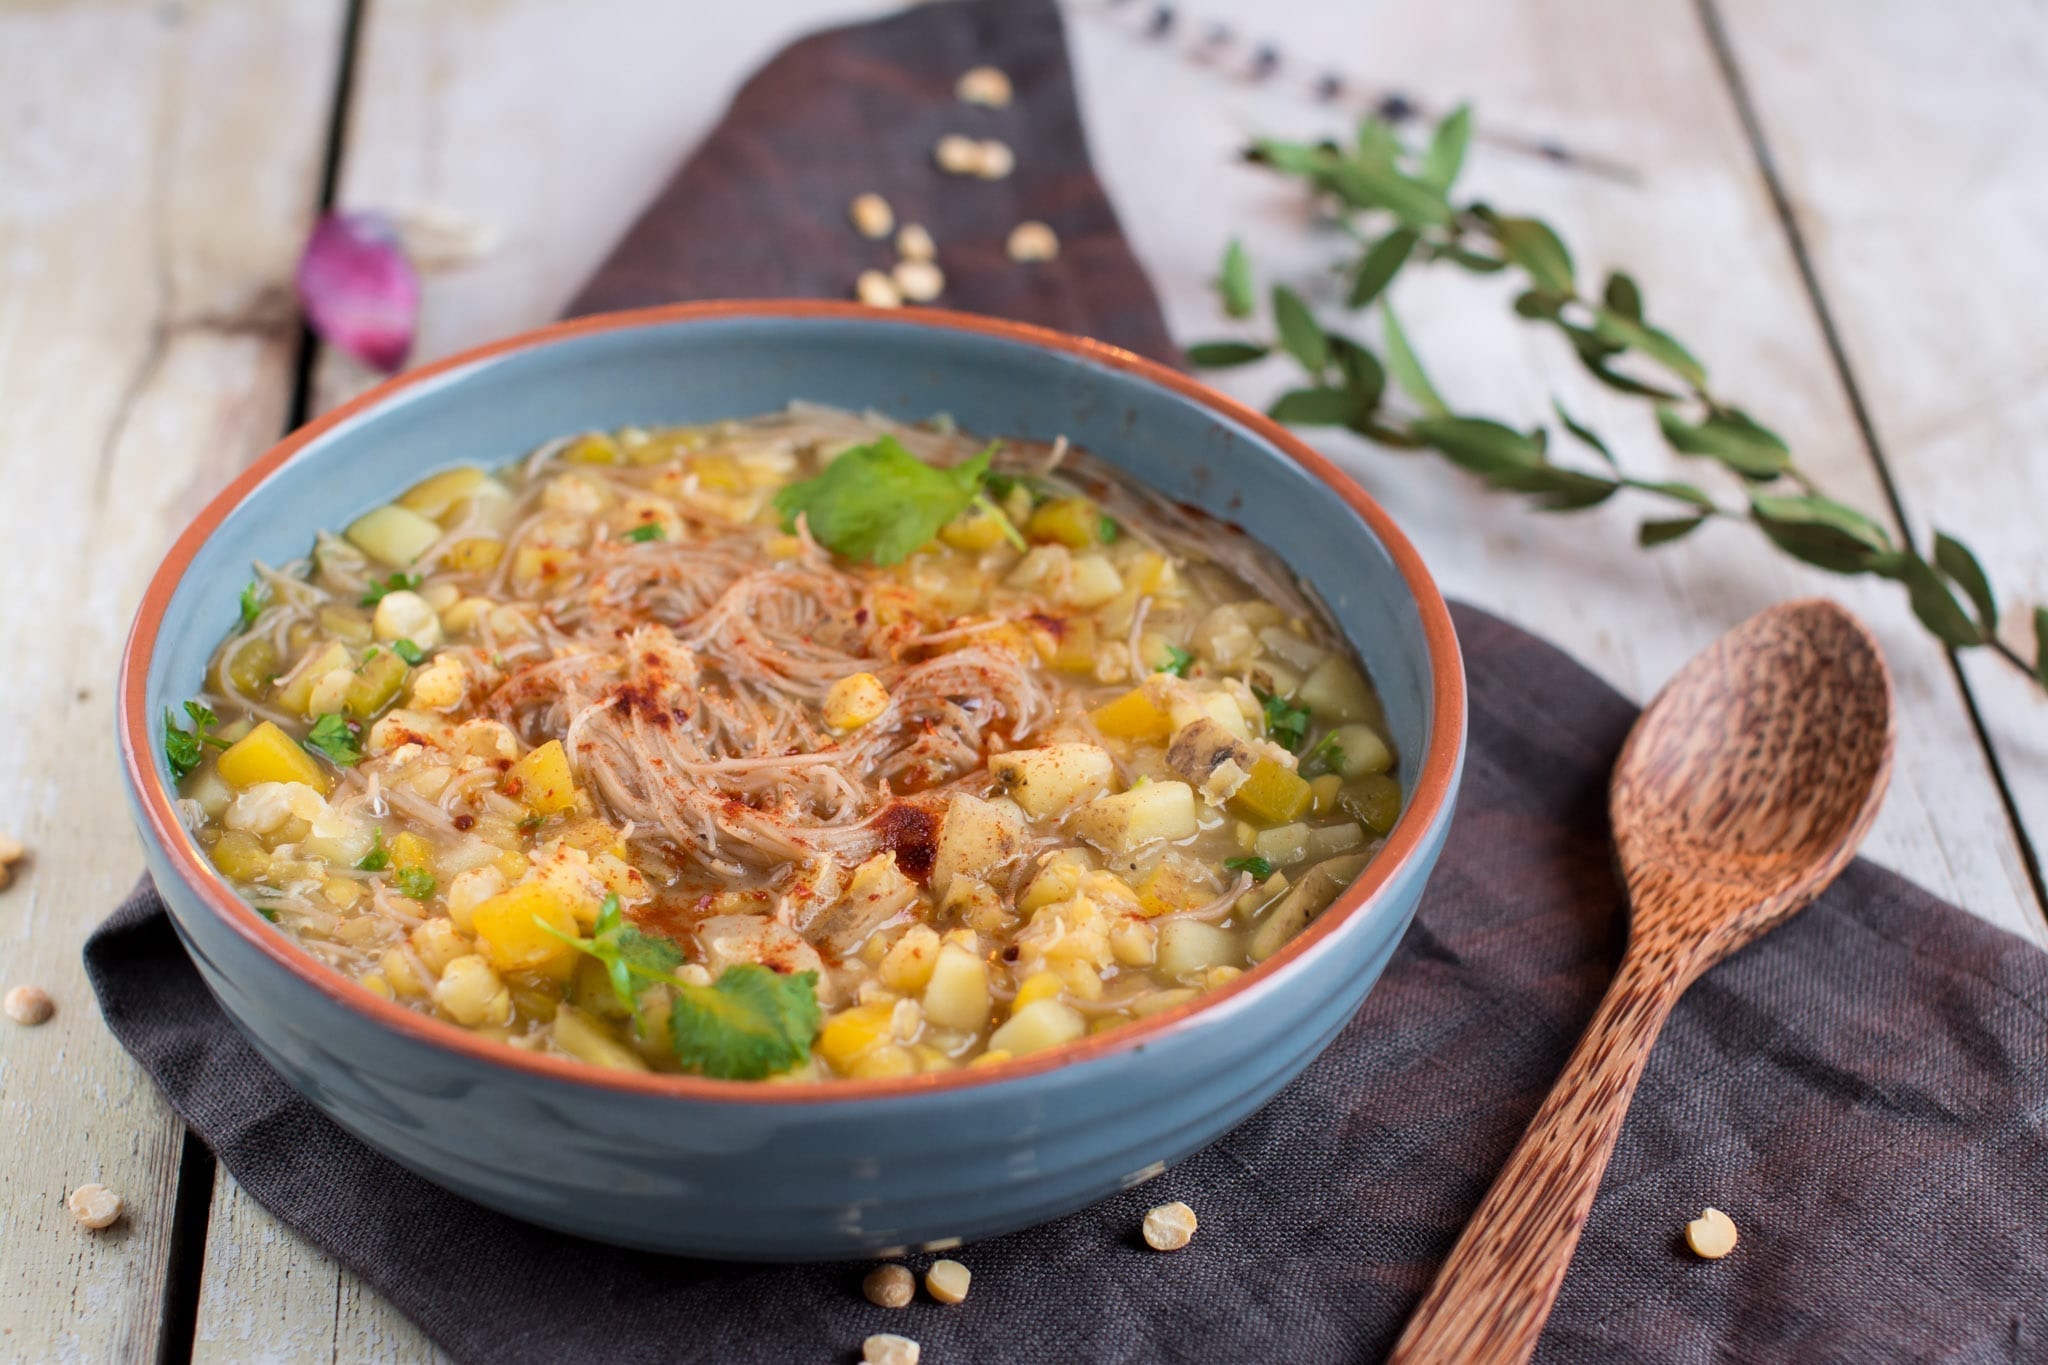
(1326, 757)
(879, 502)
(1177, 662)
(398, 582)
(751, 1022)
(407, 650)
(1258, 867)
(181, 746)
(625, 951)
(252, 604)
(1106, 530)
(415, 882)
(379, 857)
(1286, 723)
(644, 532)
(331, 736)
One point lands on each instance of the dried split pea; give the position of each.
(984, 85)
(1169, 1227)
(94, 1206)
(886, 1348)
(1033, 241)
(947, 1281)
(889, 1286)
(1711, 1235)
(872, 216)
(29, 1005)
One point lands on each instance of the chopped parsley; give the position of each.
(879, 502)
(379, 857)
(398, 582)
(181, 746)
(1178, 661)
(1258, 867)
(644, 532)
(252, 604)
(1107, 530)
(406, 650)
(415, 882)
(1326, 757)
(331, 736)
(1286, 723)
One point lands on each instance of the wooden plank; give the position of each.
(1637, 82)
(158, 165)
(1917, 189)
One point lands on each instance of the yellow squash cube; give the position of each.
(268, 754)
(508, 929)
(1274, 794)
(542, 779)
(1134, 716)
(852, 1034)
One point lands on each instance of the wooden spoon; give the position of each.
(1742, 791)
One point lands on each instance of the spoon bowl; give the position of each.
(1742, 792)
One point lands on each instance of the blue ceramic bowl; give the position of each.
(779, 1172)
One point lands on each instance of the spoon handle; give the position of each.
(1491, 1298)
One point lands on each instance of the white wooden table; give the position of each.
(1839, 206)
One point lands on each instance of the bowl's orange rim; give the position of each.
(1426, 805)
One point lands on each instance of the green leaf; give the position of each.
(1371, 186)
(1234, 282)
(1480, 445)
(1659, 346)
(202, 716)
(1218, 355)
(1822, 533)
(2041, 644)
(415, 882)
(1286, 723)
(1930, 597)
(1585, 435)
(1731, 438)
(1178, 661)
(1394, 438)
(1377, 144)
(1684, 492)
(879, 502)
(1561, 490)
(251, 604)
(1814, 510)
(1407, 370)
(1379, 265)
(379, 857)
(644, 532)
(1622, 296)
(1365, 379)
(1477, 262)
(1260, 868)
(1540, 305)
(1530, 244)
(1953, 558)
(750, 1023)
(1300, 334)
(331, 736)
(1653, 533)
(1594, 352)
(1291, 158)
(1327, 756)
(181, 746)
(1446, 154)
(398, 582)
(1314, 407)
(408, 651)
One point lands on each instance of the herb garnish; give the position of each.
(268, 912)
(181, 746)
(1178, 661)
(1258, 867)
(1106, 530)
(644, 532)
(415, 882)
(252, 604)
(751, 1022)
(331, 736)
(1396, 201)
(406, 650)
(1326, 757)
(1286, 723)
(398, 582)
(880, 503)
(379, 857)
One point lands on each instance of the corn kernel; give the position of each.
(851, 1034)
(854, 701)
(473, 994)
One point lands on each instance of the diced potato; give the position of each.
(1325, 841)
(1189, 705)
(296, 692)
(1055, 778)
(209, 790)
(336, 839)
(1172, 884)
(542, 779)
(1376, 800)
(1359, 750)
(1228, 636)
(406, 615)
(957, 995)
(268, 754)
(1134, 716)
(1189, 947)
(1335, 690)
(1074, 522)
(395, 535)
(507, 931)
(1156, 810)
(1092, 581)
(1324, 792)
(1291, 648)
(907, 966)
(1275, 793)
(1282, 844)
(474, 554)
(1057, 879)
(977, 837)
(583, 1037)
(1304, 900)
(1065, 643)
(436, 494)
(852, 1033)
(1134, 942)
(241, 855)
(371, 687)
(1043, 1024)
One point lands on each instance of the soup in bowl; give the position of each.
(800, 826)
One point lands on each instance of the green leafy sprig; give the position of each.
(880, 503)
(1396, 202)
